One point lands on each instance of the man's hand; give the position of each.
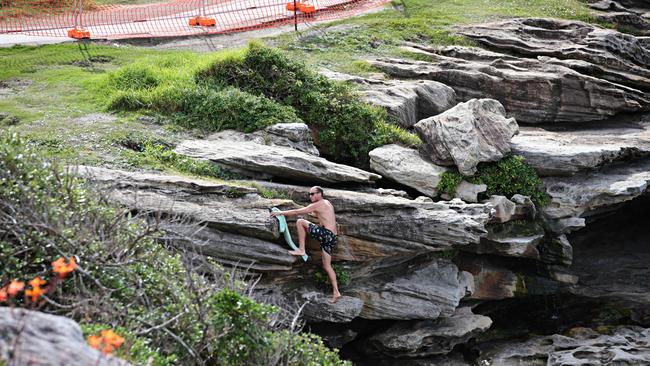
(276, 213)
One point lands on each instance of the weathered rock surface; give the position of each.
(531, 90)
(234, 209)
(471, 132)
(279, 161)
(592, 193)
(617, 57)
(372, 226)
(408, 167)
(294, 135)
(406, 101)
(320, 309)
(626, 346)
(627, 20)
(409, 288)
(428, 337)
(567, 152)
(39, 339)
(503, 207)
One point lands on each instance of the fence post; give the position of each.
(295, 15)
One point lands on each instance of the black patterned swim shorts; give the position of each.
(326, 238)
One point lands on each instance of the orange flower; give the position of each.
(108, 341)
(36, 291)
(37, 282)
(63, 269)
(3, 294)
(94, 341)
(15, 287)
(112, 338)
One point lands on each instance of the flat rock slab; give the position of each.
(406, 166)
(570, 151)
(39, 339)
(591, 193)
(583, 346)
(531, 90)
(273, 160)
(609, 54)
(425, 338)
(320, 309)
(233, 209)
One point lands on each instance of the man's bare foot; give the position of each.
(335, 298)
(297, 252)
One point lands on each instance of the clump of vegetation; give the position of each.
(449, 181)
(158, 155)
(129, 278)
(507, 177)
(342, 277)
(347, 128)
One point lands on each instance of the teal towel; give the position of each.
(284, 228)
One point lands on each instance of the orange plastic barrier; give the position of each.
(82, 19)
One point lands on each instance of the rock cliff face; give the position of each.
(425, 274)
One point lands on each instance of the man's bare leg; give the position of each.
(302, 225)
(327, 265)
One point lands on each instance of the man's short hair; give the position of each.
(320, 190)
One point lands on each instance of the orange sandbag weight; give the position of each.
(78, 33)
(307, 8)
(203, 22)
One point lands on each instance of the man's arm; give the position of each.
(296, 212)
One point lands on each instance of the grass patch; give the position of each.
(150, 154)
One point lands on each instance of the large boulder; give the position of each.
(567, 152)
(34, 338)
(471, 132)
(425, 338)
(603, 53)
(583, 346)
(406, 102)
(249, 157)
(408, 167)
(531, 90)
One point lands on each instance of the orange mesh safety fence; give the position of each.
(174, 18)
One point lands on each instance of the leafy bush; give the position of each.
(507, 177)
(347, 128)
(125, 278)
(342, 277)
(134, 77)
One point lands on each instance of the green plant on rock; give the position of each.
(342, 277)
(507, 177)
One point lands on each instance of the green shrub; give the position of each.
(449, 181)
(133, 77)
(342, 277)
(126, 278)
(346, 127)
(507, 177)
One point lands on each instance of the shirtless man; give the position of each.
(326, 233)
